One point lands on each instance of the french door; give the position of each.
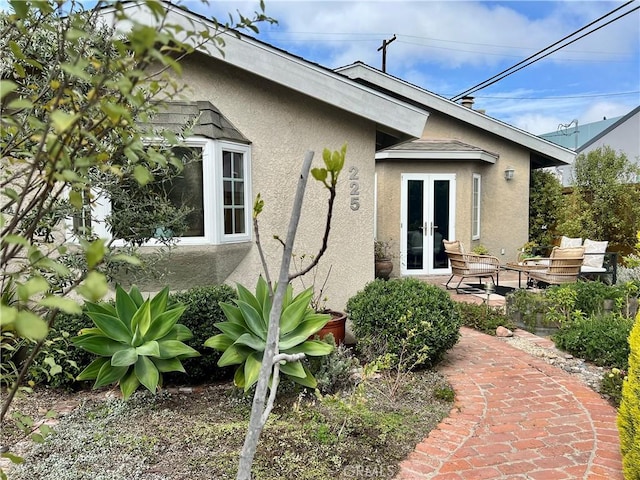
(427, 218)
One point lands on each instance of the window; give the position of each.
(475, 207)
(214, 185)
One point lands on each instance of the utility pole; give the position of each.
(383, 47)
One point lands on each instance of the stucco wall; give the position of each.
(282, 125)
(504, 204)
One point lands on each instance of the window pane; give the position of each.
(228, 190)
(226, 164)
(239, 166)
(228, 221)
(186, 191)
(238, 194)
(239, 217)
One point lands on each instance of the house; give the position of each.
(419, 167)
(465, 178)
(260, 110)
(619, 133)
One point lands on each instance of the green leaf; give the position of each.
(93, 369)
(136, 296)
(175, 348)
(253, 319)
(15, 239)
(94, 286)
(29, 325)
(319, 174)
(251, 341)
(22, 11)
(129, 384)
(109, 374)
(232, 330)
(159, 303)
(65, 305)
(233, 314)
(149, 349)
(32, 287)
(293, 369)
(105, 308)
(312, 324)
(142, 318)
(142, 175)
(219, 342)
(125, 306)
(111, 326)
(313, 348)
(252, 369)
(76, 199)
(124, 357)
(163, 323)
(244, 295)
(6, 87)
(147, 373)
(63, 121)
(95, 252)
(308, 381)
(130, 259)
(234, 355)
(179, 332)
(238, 377)
(168, 365)
(293, 314)
(13, 458)
(98, 344)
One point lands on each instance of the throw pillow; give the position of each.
(591, 246)
(566, 242)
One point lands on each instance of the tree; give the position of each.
(77, 99)
(545, 202)
(604, 204)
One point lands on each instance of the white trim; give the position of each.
(476, 207)
(465, 155)
(457, 111)
(290, 71)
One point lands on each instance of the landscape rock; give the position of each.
(503, 332)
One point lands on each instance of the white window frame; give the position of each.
(213, 198)
(476, 196)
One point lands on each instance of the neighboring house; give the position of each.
(466, 178)
(459, 175)
(260, 110)
(620, 133)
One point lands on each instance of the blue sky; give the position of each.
(449, 46)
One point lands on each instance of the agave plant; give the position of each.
(244, 335)
(137, 340)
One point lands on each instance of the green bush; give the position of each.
(483, 318)
(58, 350)
(333, 372)
(202, 313)
(591, 295)
(601, 339)
(629, 412)
(405, 318)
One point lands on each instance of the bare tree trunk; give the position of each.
(260, 408)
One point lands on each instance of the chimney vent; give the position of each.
(467, 102)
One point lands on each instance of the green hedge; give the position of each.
(601, 339)
(629, 412)
(404, 317)
(201, 315)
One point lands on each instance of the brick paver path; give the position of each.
(516, 417)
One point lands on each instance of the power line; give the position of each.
(532, 59)
(612, 94)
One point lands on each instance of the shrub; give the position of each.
(136, 341)
(601, 339)
(58, 350)
(405, 318)
(611, 385)
(483, 318)
(334, 372)
(202, 313)
(629, 412)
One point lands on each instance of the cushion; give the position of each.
(453, 246)
(570, 242)
(571, 252)
(591, 246)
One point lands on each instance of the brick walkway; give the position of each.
(516, 417)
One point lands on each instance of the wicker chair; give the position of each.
(563, 266)
(469, 265)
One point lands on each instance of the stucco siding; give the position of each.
(282, 125)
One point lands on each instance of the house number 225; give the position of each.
(354, 188)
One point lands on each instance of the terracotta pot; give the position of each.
(383, 268)
(336, 326)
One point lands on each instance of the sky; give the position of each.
(447, 47)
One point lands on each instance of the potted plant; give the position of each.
(335, 326)
(383, 259)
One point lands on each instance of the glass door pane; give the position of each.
(414, 221)
(441, 216)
